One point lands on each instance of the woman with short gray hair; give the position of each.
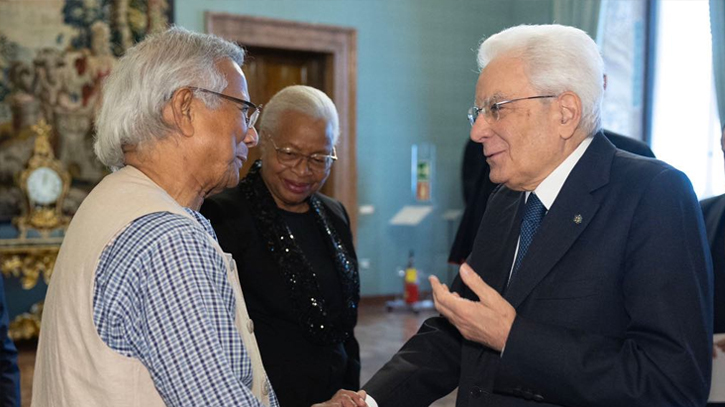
(295, 252)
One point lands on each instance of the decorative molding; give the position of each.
(27, 324)
(28, 261)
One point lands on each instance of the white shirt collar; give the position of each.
(549, 188)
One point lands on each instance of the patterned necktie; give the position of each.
(534, 212)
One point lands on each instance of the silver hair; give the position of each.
(304, 99)
(143, 81)
(557, 59)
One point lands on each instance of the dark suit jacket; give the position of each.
(614, 310)
(714, 211)
(9, 373)
(477, 187)
(302, 373)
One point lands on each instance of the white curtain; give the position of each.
(582, 14)
(717, 28)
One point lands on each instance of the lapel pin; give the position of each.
(578, 219)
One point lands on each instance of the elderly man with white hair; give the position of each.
(144, 308)
(590, 282)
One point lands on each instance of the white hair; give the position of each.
(557, 59)
(144, 80)
(304, 99)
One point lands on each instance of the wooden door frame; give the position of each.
(341, 44)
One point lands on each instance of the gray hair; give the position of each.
(304, 99)
(143, 81)
(557, 59)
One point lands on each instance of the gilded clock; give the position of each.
(44, 183)
(44, 186)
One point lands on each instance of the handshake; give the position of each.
(348, 398)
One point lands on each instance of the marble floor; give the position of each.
(380, 333)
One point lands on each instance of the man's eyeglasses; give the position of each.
(492, 112)
(315, 162)
(246, 105)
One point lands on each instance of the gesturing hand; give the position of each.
(487, 321)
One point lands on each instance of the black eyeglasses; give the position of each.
(492, 111)
(247, 105)
(316, 162)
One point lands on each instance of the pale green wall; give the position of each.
(416, 76)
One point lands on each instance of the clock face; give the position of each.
(44, 186)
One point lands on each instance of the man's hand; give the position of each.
(345, 398)
(719, 344)
(487, 321)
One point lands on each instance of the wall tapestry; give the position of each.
(54, 55)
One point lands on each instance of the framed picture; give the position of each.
(54, 55)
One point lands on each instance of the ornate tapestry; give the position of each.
(54, 55)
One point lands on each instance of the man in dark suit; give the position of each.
(9, 373)
(714, 211)
(589, 283)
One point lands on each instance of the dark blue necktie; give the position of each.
(534, 212)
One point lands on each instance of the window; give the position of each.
(622, 39)
(685, 124)
(685, 129)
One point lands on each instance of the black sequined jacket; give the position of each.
(303, 369)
